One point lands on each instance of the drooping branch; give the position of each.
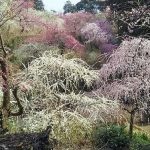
(20, 107)
(2, 47)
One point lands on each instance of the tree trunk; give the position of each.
(6, 93)
(6, 112)
(6, 89)
(132, 115)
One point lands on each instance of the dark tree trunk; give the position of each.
(132, 115)
(6, 112)
(145, 120)
(6, 88)
(6, 93)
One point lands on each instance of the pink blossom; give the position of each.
(75, 21)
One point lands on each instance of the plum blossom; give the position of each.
(126, 76)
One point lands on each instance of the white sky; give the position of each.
(56, 4)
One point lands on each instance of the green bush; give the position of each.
(111, 136)
(116, 138)
(140, 142)
(28, 52)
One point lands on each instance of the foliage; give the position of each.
(69, 7)
(28, 52)
(140, 141)
(38, 5)
(48, 30)
(92, 57)
(111, 136)
(92, 6)
(116, 137)
(9, 13)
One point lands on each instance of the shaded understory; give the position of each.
(27, 141)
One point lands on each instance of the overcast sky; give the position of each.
(56, 4)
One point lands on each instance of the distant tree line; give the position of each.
(84, 5)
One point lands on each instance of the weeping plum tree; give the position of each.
(11, 11)
(75, 21)
(99, 34)
(126, 77)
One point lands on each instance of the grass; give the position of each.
(146, 129)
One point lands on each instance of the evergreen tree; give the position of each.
(38, 5)
(69, 7)
(90, 5)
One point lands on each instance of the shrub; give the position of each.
(140, 142)
(116, 138)
(111, 136)
(92, 57)
(28, 52)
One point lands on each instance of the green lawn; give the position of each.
(146, 128)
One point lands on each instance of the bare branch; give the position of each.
(20, 111)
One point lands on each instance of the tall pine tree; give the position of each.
(38, 5)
